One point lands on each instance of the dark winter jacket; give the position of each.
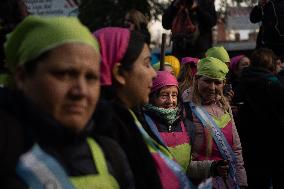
(271, 34)
(22, 125)
(205, 17)
(261, 115)
(117, 122)
(261, 127)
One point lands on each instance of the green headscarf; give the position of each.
(218, 52)
(157, 65)
(38, 34)
(212, 68)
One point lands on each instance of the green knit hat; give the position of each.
(218, 52)
(212, 68)
(38, 34)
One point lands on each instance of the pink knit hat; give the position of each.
(164, 78)
(234, 61)
(113, 43)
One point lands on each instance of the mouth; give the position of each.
(75, 109)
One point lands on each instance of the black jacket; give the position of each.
(205, 16)
(271, 34)
(116, 122)
(261, 115)
(261, 127)
(22, 125)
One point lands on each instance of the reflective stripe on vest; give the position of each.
(39, 170)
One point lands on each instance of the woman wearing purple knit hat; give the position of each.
(238, 63)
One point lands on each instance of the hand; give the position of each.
(220, 168)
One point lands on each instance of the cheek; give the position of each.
(46, 94)
(201, 87)
(158, 102)
(219, 88)
(94, 94)
(53, 93)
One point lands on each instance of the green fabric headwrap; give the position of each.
(212, 68)
(218, 52)
(36, 35)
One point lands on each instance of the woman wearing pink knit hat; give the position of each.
(163, 113)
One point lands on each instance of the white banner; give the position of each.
(53, 7)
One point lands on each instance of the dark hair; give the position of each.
(135, 47)
(264, 58)
(140, 23)
(12, 12)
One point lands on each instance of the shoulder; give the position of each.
(12, 142)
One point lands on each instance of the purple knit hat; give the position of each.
(164, 78)
(186, 60)
(234, 61)
(113, 43)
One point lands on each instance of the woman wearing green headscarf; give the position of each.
(216, 142)
(47, 131)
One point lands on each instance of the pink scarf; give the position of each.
(113, 45)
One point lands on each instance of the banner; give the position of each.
(53, 7)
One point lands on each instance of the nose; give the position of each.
(79, 88)
(153, 73)
(170, 99)
(211, 86)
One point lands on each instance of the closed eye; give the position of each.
(65, 74)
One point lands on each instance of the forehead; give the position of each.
(167, 89)
(144, 54)
(74, 53)
(208, 79)
(244, 60)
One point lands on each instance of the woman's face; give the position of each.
(209, 88)
(244, 63)
(65, 84)
(139, 80)
(167, 97)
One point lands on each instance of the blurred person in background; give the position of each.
(261, 120)
(137, 21)
(191, 24)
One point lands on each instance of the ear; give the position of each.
(117, 74)
(20, 77)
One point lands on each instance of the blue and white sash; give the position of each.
(219, 138)
(41, 171)
(153, 128)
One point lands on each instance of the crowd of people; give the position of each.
(87, 109)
